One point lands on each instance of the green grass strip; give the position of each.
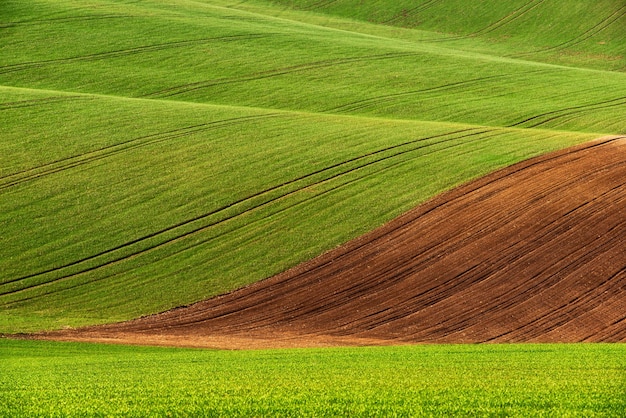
(68, 379)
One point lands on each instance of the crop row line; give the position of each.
(396, 230)
(185, 88)
(263, 198)
(516, 14)
(39, 102)
(202, 316)
(412, 12)
(126, 52)
(589, 33)
(551, 276)
(546, 117)
(111, 150)
(62, 19)
(365, 103)
(482, 225)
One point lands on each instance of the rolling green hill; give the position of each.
(155, 153)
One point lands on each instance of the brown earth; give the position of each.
(532, 253)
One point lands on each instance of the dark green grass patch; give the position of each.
(61, 379)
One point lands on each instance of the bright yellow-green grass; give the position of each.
(156, 153)
(43, 379)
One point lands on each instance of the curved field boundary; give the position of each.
(14, 287)
(531, 253)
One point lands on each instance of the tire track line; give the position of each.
(589, 33)
(62, 20)
(470, 318)
(476, 274)
(361, 162)
(59, 165)
(387, 283)
(412, 12)
(516, 14)
(126, 52)
(566, 312)
(345, 296)
(365, 103)
(40, 102)
(566, 266)
(236, 297)
(186, 88)
(318, 265)
(323, 319)
(580, 305)
(330, 303)
(195, 244)
(568, 111)
(556, 229)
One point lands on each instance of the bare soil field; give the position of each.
(535, 252)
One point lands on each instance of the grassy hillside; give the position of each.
(156, 153)
(575, 32)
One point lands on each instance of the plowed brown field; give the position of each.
(532, 253)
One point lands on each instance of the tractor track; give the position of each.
(589, 33)
(52, 167)
(531, 253)
(412, 12)
(553, 115)
(277, 72)
(262, 199)
(126, 52)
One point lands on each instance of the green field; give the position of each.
(156, 153)
(63, 379)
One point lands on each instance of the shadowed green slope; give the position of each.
(156, 153)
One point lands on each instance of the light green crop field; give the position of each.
(156, 153)
(67, 379)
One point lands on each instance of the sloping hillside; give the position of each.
(531, 253)
(157, 153)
